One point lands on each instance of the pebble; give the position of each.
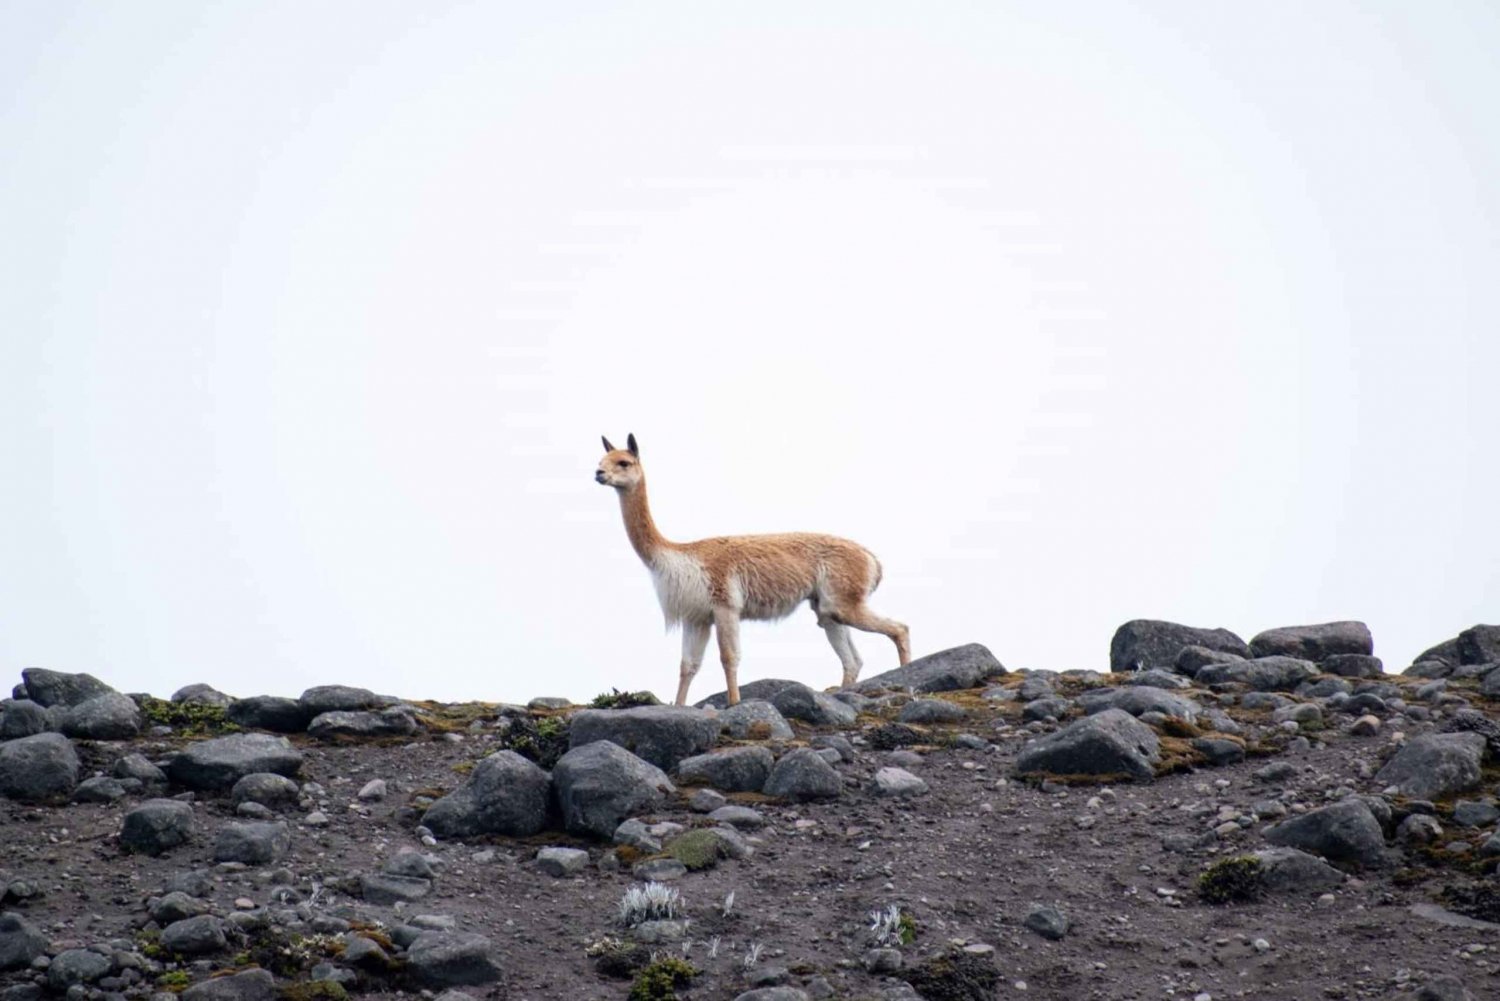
(1261, 945)
(316, 819)
(373, 789)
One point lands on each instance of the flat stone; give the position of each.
(99, 789)
(1288, 870)
(221, 762)
(438, 960)
(736, 769)
(954, 669)
(362, 724)
(817, 708)
(898, 783)
(930, 711)
(269, 712)
(1148, 643)
(560, 862)
(742, 817)
(384, 889)
(662, 735)
(249, 985)
(341, 698)
(253, 843)
(1314, 642)
(1138, 700)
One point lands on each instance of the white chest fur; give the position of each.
(681, 587)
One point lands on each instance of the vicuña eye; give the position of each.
(623, 465)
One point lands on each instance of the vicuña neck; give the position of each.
(639, 525)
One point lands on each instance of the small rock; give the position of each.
(194, 936)
(882, 960)
(156, 826)
(899, 783)
(373, 790)
(254, 843)
(561, 862)
(706, 800)
(1047, 922)
(801, 775)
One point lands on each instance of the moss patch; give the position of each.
(660, 980)
(954, 976)
(542, 739)
(312, 990)
(187, 719)
(1232, 879)
(616, 699)
(697, 849)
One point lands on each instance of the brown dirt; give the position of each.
(965, 861)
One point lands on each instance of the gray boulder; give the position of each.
(110, 716)
(754, 719)
(1345, 832)
(194, 936)
(1138, 699)
(504, 794)
(76, 966)
(253, 843)
(387, 889)
(1314, 642)
(251, 985)
(1353, 665)
(1158, 678)
(269, 712)
(202, 695)
(1288, 870)
(1148, 643)
(662, 735)
(156, 825)
(803, 775)
(1109, 743)
(600, 784)
(437, 960)
(56, 688)
(737, 769)
(21, 718)
(135, 766)
(562, 862)
(797, 701)
(1435, 765)
(99, 789)
(341, 698)
(37, 768)
(357, 723)
(756, 691)
(930, 711)
(1264, 674)
(898, 783)
(949, 670)
(1191, 659)
(1479, 645)
(1048, 922)
(177, 906)
(267, 789)
(221, 762)
(20, 941)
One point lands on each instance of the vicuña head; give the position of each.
(711, 584)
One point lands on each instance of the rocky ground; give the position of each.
(1210, 819)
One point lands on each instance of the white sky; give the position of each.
(313, 315)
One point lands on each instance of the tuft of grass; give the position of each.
(697, 849)
(616, 699)
(175, 981)
(542, 739)
(660, 980)
(617, 959)
(954, 976)
(313, 990)
(651, 902)
(188, 719)
(1232, 879)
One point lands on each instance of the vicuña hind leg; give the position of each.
(843, 645)
(727, 628)
(860, 617)
(694, 642)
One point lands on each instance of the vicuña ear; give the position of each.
(630, 444)
(607, 446)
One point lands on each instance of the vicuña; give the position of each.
(713, 583)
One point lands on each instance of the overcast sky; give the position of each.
(1074, 313)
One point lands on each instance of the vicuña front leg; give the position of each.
(843, 645)
(727, 627)
(694, 642)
